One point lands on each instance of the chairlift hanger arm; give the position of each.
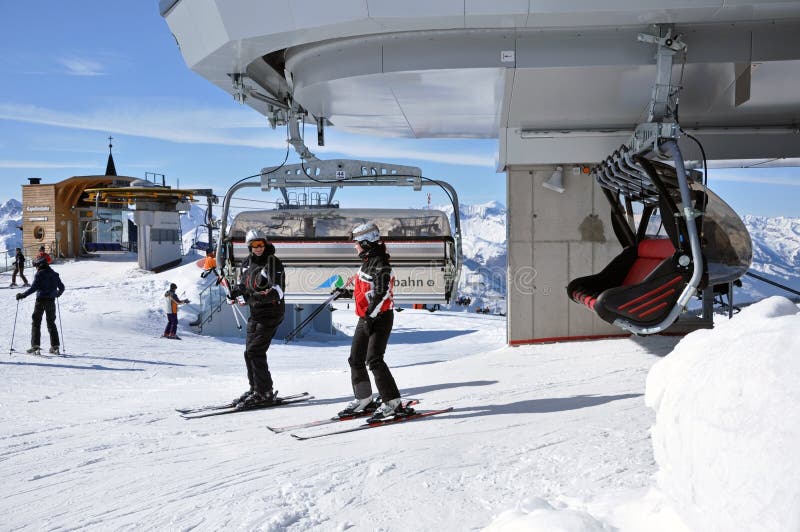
(628, 171)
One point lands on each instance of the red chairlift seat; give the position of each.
(640, 285)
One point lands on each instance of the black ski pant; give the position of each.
(44, 306)
(369, 345)
(18, 270)
(259, 336)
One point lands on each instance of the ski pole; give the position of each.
(14, 329)
(314, 314)
(61, 332)
(236, 317)
(227, 287)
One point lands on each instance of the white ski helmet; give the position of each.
(253, 235)
(367, 232)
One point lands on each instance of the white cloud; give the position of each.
(234, 126)
(755, 178)
(77, 66)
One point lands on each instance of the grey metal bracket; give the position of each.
(341, 172)
(668, 46)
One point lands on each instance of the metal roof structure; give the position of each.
(555, 81)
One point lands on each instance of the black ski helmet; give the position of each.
(173, 286)
(39, 261)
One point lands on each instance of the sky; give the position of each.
(74, 73)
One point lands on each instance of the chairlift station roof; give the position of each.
(555, 81)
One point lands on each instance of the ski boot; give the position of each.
(54, 350)
(390, 410)
(34, 350)
(257, 399)
(242, 397)
(358, 406)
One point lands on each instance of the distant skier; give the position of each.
(171, 303)
(43, 254)
(260, 284)
(48, 286)
(19, 266)
(374, 300)
(209, 264)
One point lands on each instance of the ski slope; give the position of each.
(545, 437)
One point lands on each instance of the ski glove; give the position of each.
(20, 296)
(344, 293)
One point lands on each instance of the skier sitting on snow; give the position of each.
(260, 284)
(171, 303)
(48, 286)
(373, 294)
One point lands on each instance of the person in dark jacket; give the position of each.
(19, 266)
(260, 285)
(374, 301)
(48, 286)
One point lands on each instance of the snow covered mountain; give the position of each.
(776, 250)
(483, 277)
(10, 220)
(776, 256)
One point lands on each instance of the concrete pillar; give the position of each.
(553, 238)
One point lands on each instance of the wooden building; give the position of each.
(55, 215)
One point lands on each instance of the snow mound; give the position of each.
(727, 425)
(537, 515)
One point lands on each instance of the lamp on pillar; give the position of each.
(556, 181)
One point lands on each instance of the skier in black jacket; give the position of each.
(48, 286)
(261, 283)
(19, 266)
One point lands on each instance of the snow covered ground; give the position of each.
(546, 437)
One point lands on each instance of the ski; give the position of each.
(234, 410)
(334, 419)
(194, 410)
(366, 425)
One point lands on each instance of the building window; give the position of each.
(38, 233)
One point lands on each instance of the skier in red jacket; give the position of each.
(373, 294)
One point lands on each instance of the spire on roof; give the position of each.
(110, 168)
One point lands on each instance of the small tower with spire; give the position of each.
(110, 168)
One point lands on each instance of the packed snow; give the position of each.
(542, 437)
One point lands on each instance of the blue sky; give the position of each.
(73, 73)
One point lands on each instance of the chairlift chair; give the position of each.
(641, 287)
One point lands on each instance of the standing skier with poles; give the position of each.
(48, 286)
(171, 303)
(19, 267)
(260, 284)
(373, 294)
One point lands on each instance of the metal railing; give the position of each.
(8, 256)
(211, 298)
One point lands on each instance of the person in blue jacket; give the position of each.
(48, 286)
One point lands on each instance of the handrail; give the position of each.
(210, 303)
(29, 252)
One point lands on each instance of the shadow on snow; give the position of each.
(541, 406)
(67, 366)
